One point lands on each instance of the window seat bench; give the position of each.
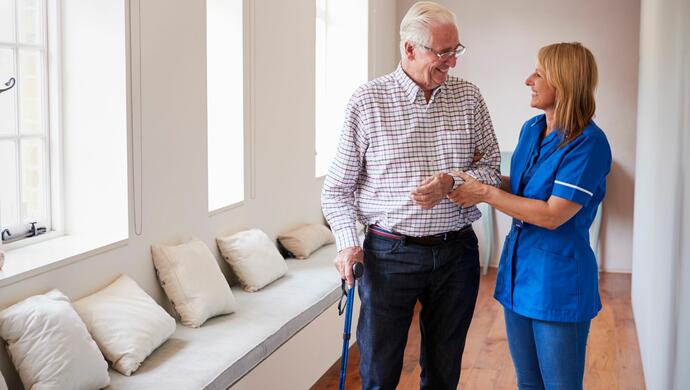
(226, 348)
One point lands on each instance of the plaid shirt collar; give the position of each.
(412, 91)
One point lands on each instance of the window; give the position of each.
(341, 66)
(63, 125)
(25, 179)
(225, 102)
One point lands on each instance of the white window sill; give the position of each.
(31, 260)
(226, 208)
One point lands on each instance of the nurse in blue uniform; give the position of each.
(547, 278)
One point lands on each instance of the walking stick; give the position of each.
(357, 270)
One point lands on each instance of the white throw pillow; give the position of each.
(193, 281)
(126, 323)
(50, 346)
(304, 240)
(253, 258)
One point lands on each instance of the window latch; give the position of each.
(32, 231)
(9, 84)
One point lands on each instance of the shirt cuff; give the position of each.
(457, 181)
(346, 238)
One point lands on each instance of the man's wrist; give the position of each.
(457, 181)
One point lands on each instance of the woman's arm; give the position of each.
(548, 214)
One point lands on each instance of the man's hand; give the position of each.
(470, 192)
(433, 190)
(344, 261)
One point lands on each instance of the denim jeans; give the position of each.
(547, 355)
(445, 280)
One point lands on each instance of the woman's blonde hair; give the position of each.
(571, 69)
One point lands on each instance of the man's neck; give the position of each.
(427, 92)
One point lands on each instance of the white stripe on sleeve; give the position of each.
(573, 186)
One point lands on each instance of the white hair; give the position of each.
(415, 26)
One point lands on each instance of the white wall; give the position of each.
(661, 261)
(279, 143)
(503, 38)
(383, 37)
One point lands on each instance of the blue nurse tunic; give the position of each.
(544, 274)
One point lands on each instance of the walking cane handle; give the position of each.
(357, 270)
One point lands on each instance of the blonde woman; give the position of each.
(547, 279)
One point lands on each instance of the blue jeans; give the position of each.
(547, 355)
(445, 280)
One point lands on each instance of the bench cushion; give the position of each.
(227, 347)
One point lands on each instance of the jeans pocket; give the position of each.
(378, 244)
(470, 241)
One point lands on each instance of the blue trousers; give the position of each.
(444, 279)
(547, 355)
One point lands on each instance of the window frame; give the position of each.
(49, 51)
(218, 206)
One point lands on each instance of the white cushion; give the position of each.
(126, 323)
(253, 258)
(50, 346)
(304, 240)
(192, 279)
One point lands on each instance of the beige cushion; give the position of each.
(126, 323)
(304, 240)
(253, 258)
(50, 346)
(192, 279)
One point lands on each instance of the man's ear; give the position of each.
(409, 50)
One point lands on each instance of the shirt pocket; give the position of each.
(551, 281)
(457, 141)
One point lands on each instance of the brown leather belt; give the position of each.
(434, 240)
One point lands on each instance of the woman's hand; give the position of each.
(470, 192)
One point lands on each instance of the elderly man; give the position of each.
(405, 137)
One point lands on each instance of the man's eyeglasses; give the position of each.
(446, 55)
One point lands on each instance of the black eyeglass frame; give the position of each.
(459, 50)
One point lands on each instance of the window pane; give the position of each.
(224, 80)
(9, 211)
(30, 91)
(341, 66)
(8, 117)
(6, 21)
(33, 180)
(29, 16)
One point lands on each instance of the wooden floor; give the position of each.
(613, 354)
